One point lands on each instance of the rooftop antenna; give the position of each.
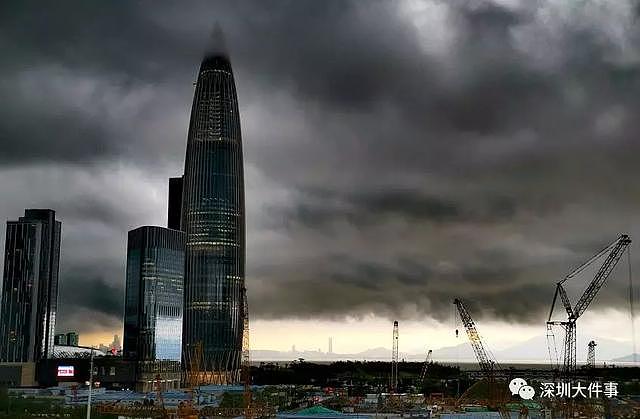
(217, 41)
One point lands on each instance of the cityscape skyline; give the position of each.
(385, 174)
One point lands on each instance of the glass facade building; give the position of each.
(60, 339)
(213, 219)
(73, 339)
(154, 294)
(30, 287)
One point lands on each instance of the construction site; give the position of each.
(565, 388)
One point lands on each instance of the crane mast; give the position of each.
(591, 355)
(614, 252)
(394, 359)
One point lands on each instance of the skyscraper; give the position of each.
(115, 344)
(154, 294)
(73, 339)
(175, 203)
(30, 287)
(214, 223)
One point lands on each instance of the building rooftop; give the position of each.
(319, 412)
(67, 351)
(216, 61)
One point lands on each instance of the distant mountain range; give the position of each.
(531, 350)
(628, 358)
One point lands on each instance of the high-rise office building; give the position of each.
(115, 344)
(154, 294)
(213, 220)
(30, 287)
(60, 339)
(73, 339)
(67, 339)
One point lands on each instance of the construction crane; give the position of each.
(194, 360)
(591, 355)
(160, 398)
(394, 359)
(427, 362)
(250, 409)
(245, 370)
(194, 357)
(487, 364)
(614, 252)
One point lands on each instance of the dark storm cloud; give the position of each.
(403, 289)
(364, 209)
(397, 155)
(94, 77)
(92, 293)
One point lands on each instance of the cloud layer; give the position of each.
(398, 154)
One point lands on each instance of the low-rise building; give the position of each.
(17, 374)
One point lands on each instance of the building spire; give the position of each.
(216, 54)
(217, 45)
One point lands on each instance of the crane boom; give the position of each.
(619, 246)
(487, 364)
(425, 367)
(565, 301)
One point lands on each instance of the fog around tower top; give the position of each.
(217, 45)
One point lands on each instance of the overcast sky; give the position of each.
(397, 154)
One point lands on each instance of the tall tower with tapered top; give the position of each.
(213, 218)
